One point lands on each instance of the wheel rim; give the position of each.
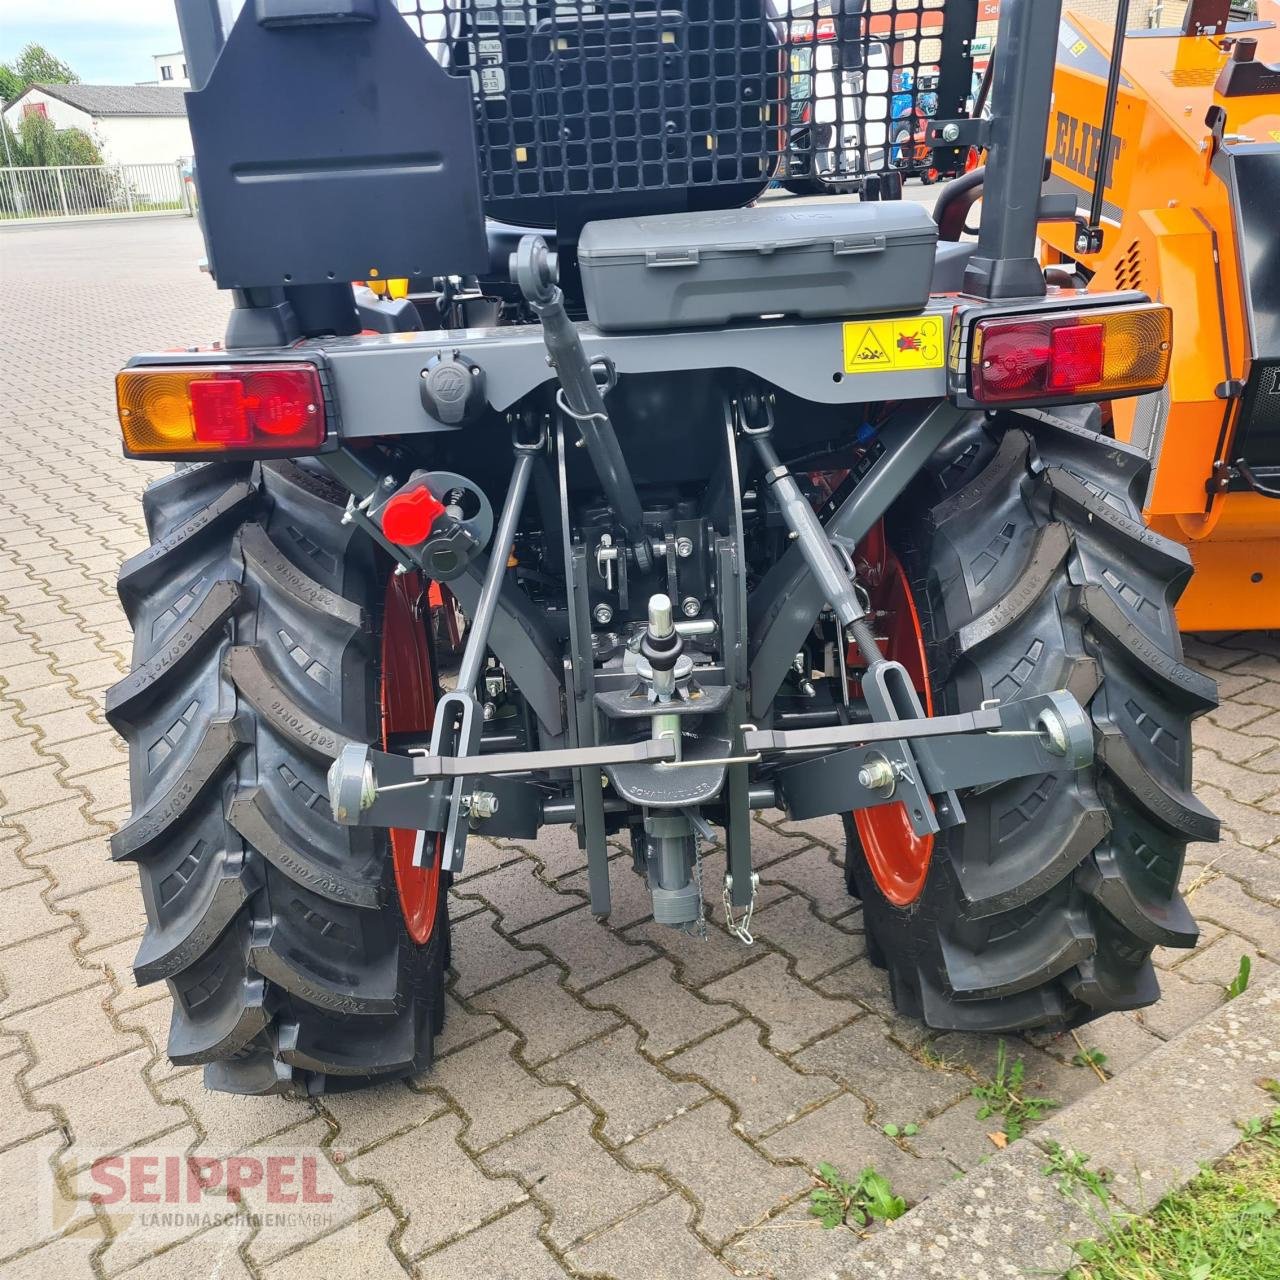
(898, 858)
(408, 698)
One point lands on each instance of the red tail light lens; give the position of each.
(1049, 359)
(169, 411)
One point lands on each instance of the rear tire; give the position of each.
(278, 931)
(1032, 571)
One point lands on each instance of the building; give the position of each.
(131, 124)
(171, 68)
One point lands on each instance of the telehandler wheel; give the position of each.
(260, 625)
(1030, 570)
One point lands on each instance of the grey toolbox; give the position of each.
(681, 270)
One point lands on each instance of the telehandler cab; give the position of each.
(748, 504)
(1189, 212)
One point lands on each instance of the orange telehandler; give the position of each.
(1188, 211)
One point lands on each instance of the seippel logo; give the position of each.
(1077, 145)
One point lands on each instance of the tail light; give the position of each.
(169, 411)
(1055, 358)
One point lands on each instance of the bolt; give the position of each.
(691, 606)
(388, 482)
(490, 711)
(480, 804)
(684, 548)
(950, 132)
(877, 775)
(603, 614)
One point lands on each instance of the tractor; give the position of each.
(735, 504)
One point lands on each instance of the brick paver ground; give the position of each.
(611, 1100)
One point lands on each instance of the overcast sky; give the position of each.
(105, 41)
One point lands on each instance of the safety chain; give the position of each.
(741, 929)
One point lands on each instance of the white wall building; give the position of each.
(171, 68)
(131, 124)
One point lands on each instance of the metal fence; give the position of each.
(95, 190)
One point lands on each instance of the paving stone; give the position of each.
(62, 726)
(667, 1014)
(498, 1094)
(1226, 904)
(1045, 1075)
(230, 1122)
(794, 1243)
(34, 1209)
(461, 1028)
(361, 1248)
(87, 755)
(29, 788)
(631, 1092)
(12, 871)
(549, 1019)
(70, 1033)
(483, 855)
(482, 957)
(828, 831)
(108, 1108)
(697, 960)
(863, 1058)
(1238, 714)
(818, 873)
(338, 1200)
(433, 1181)
(70, 1254)
(839, 1133)
(83, 866)
(214, 1253)
(816, 946)
(765, 1091)
(1181, 1003)
(519, 897)
(630, 902)
(656, 1242)
(366, 1117)
(507, 1249)
(590, 950)
(791, 1013)
(1217, 964)
(957, 1135)
(56, 825)
(773, 841)
(585, 1186)
(1244, 785)
(107, 914)
(1236, 748)
(1119, 1035)
(25, 912)
(735, 1186)
(41, 969)
(1258, 872)
(19, 1121)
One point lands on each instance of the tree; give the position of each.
(34, 65)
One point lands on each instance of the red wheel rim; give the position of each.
(898, 858)
(408, 699)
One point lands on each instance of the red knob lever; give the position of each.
(409, 517)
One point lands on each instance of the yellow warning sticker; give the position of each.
(892, 346)
(1275, 135)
